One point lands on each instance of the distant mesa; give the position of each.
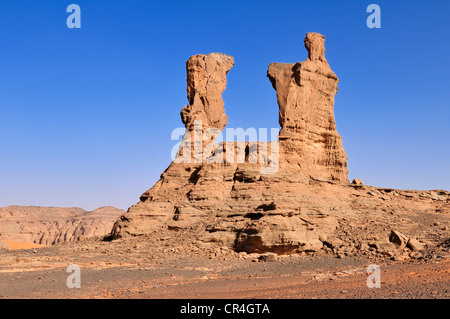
(25, 227)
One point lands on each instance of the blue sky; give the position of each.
(86, 114)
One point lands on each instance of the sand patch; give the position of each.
(14, 245)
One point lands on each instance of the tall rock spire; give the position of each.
(305, 95)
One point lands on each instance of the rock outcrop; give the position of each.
(206, 81)
(51, 225)
(287, 196)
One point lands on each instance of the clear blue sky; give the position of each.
(86, 114)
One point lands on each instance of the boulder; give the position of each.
(398, 239)
(414, 245)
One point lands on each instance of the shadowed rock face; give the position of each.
(296, 208)
(305, 95)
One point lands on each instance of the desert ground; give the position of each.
(173, 267)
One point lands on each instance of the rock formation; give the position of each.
(299, 206)
(206, 81)
(305, 95)
(51, 225)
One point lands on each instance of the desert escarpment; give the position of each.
(298, 199)
(51, 225)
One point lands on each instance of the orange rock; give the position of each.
(305, 95)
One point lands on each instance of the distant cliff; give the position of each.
(51, 225)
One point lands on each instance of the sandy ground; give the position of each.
(142, 269)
